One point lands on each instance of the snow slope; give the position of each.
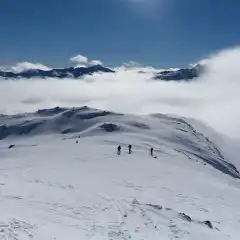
(62, 179)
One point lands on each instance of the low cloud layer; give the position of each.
(214, 98)
(24, 66)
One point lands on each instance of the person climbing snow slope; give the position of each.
(129, 148)
(119, 150)
(151, 152)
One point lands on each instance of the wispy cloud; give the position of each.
(24, 66)
(136, 67)
(82, 61)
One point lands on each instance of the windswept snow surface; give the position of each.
(62, 179)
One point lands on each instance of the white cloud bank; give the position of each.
(214, 98)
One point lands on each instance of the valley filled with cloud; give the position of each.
(213, 97)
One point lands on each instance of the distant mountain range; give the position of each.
(180, 74)
(167, 75)
(57, 73)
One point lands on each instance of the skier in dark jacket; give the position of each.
(129, 148)
(151, 152)
(119, 150)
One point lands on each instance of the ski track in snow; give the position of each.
(54, 188)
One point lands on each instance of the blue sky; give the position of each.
(161, 33)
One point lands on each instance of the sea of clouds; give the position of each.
(214, 98)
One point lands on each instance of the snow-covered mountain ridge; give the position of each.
(62, 179)
(181, 74)
(175, 133)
